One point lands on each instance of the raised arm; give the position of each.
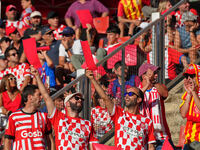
(162, 89)
(185, 107)
(7, 144)
(48, 59)
(108, 102)
(43, 90)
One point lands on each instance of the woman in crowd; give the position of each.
(10, 96)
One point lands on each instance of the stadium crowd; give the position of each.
(141, 124)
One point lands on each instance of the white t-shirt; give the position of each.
(77, 48)
(62, 52)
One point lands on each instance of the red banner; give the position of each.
(31, 52)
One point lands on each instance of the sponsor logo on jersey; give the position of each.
(26, 134)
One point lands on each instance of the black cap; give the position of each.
(46, 30)
(52, 14)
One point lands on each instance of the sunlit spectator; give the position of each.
(10, 99)
(28, 8)
(94, 6)
(54, 24)
(20, 71)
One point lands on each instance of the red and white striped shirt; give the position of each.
(28, 130)
(25, 17)
(156, 111)
(20, 72)
(57, 32)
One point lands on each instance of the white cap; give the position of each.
(35, 13)
(70, 96)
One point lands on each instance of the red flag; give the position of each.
(167, 145)
(88, 55)
(97, 146)
(31, 52)
(85, 17)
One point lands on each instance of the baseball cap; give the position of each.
(52, 14)
(190, 70)
(46, 30)
(68, 31)
(144, 67)
(188, 16)
(9, 7)
(70, 96)
(35, 13)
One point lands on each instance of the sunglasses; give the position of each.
(189, 75)
(12, 9)
(130, 94)
(12, 78)
(77, 98)
(39, 52)
(14, 54)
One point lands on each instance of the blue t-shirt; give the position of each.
(185, 37)
(53, 53)
(47, 71)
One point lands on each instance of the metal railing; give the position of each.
(159, 61)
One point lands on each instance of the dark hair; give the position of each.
(104, 81)
(8, 50)
(6, 39)
(141, 94)
(32, 1)
(28, 90)
(96, 98)
(117, 64)
(113, 29)
(5, 86)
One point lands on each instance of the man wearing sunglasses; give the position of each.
(71, 131)
(114, 87)
(132, 130)
(48, 39)
(153, 105)
(20, 70)
(190, 107)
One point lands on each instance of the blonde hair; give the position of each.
(162, 5)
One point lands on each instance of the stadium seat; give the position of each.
(101, 24)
